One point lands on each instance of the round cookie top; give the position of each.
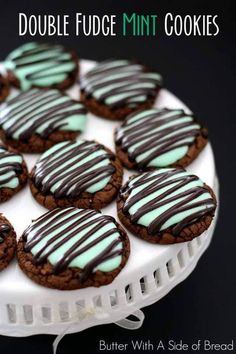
(118, 83)
(40, 65)
(159, 137)
(10, 168)
(75, 238)
(166, 199)
(41, 112)
(70, 168)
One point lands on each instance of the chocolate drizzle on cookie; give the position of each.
(76, 238)
(118, 83)
(10, 168)
(70, 168)
(157, 137)
(40, 65)
(167, 198)
(41, 112)
(4, 230)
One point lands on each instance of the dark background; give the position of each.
(200, 71)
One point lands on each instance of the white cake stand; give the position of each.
(151, 272)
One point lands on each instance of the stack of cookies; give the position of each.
(74, 245)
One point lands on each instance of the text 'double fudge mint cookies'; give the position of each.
(35, 120)
(4, 88)
(13, 173)
(84, 174)
(157, 138)
(7, 242)
(115, 88)
(73, 248)
(41, 65)
(166, 206)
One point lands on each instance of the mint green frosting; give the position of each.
(82, 260)
(8, 174)
(119, 82)
(150, 216)
(56, 156)
(40, 65)
(36, 110)
(171, 130)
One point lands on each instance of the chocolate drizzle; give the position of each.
(40, 112)
(150, 134)
(10, 168)
(4, 230)
(120, 82)
(70, 233)
(168, 193)
(72, 168)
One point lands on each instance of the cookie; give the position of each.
(35, 120)
(158, 138)
(84, 174)
(7, 242)
(166, 206)
(4, 88)
(73, 248)
(41, 65)
(13, 173)
(115, 88)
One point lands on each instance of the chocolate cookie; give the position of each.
(84, 174)
(166, 206)
(159, 138)
(13, 173)
(7, 242)
(4, 88)
(41, 65)
(73, 248)
(115, 88)
(35, 120)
